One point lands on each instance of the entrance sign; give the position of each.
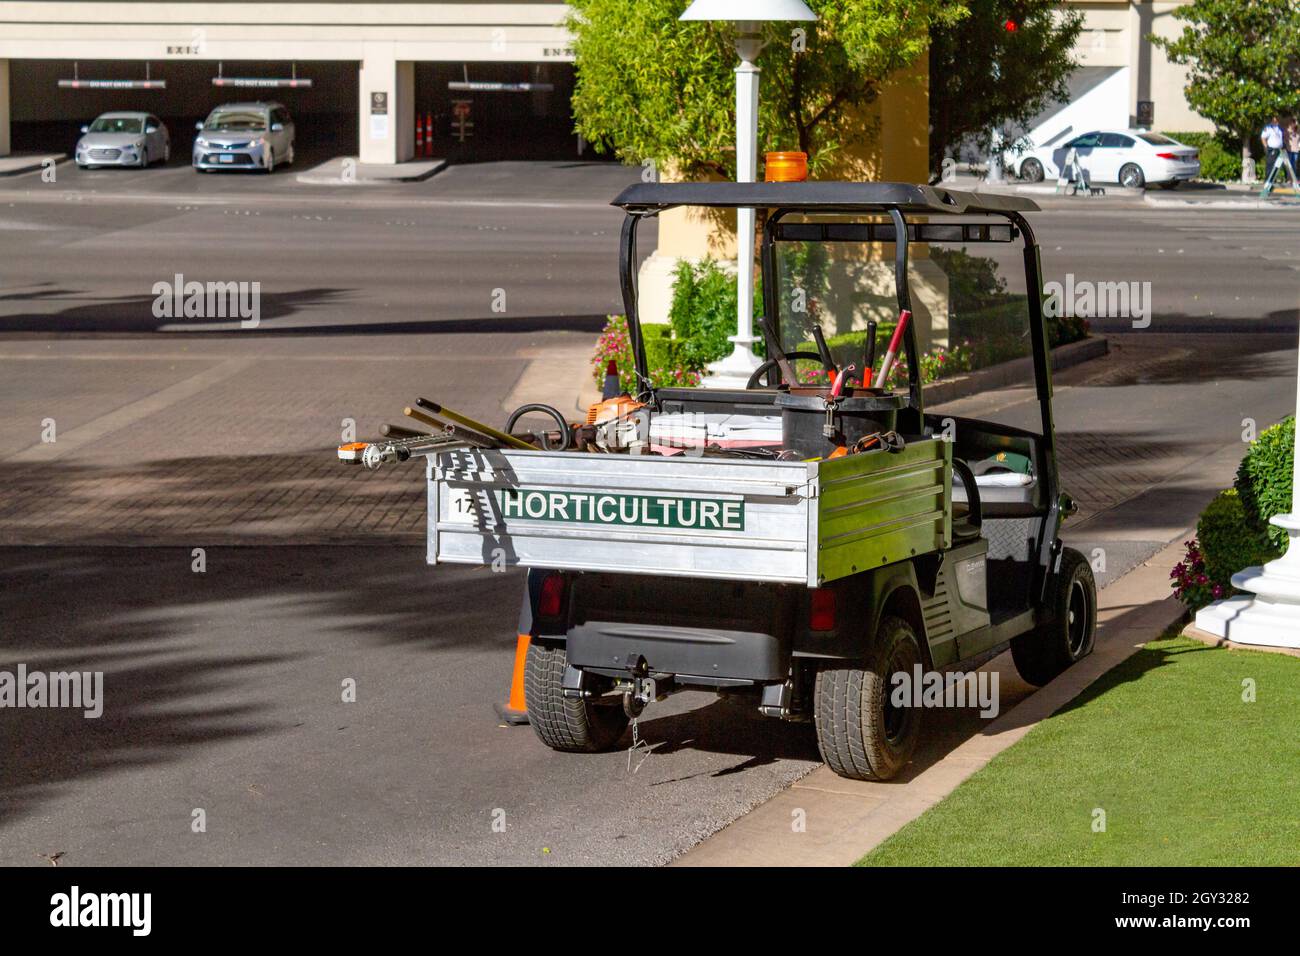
(379, 114)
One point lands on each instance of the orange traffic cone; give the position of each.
(419, 135)
(612, 389)
(428, 134)
(515, 709)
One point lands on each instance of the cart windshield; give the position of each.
(969, 296)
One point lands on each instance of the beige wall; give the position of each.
(279, 31)
(1115, 34)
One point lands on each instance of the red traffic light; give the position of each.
(1010, 26)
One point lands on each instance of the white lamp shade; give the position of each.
(741, 10)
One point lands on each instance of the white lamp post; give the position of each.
(1271, 614)
(736, 368)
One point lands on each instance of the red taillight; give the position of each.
(551, 598)
(1166, 155)
(821, 615)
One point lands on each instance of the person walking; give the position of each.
(1271, 137)
(1293, 143)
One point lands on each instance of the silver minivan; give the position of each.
(244, 136)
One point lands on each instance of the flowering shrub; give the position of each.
(1226, 542)
(1192, 585)
(663, 359)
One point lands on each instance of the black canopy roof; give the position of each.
(907, 197)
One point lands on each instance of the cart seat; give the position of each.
(1002, 495)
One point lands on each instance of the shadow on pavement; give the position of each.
(174, 645)
(135, 314)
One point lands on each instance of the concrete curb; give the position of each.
(1196, 634)
(845, 819)
(16, 165)
(1016, 372)
(330, 173)
(1255, 203)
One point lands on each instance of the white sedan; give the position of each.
(1132, 158)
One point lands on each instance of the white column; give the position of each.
(4, 108)
(734, 370)
(387, 107)
(1270, 615)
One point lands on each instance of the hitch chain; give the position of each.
(635, 700)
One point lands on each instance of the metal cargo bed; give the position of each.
(784, 522)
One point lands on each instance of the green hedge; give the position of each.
(702, 315)
(1264, 479)
(1229, 542)
(1234, 533)
(1220, 156)
(1226, 542)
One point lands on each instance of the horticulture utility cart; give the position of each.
(795, 544)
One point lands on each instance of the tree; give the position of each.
(654, 89)
(1244, 57)
(1001, 65)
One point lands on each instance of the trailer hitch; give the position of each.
(640, 692)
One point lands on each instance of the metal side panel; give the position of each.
(685, 516)
(880, 507)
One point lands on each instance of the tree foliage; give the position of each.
(1244, 59)
(984, 76)
(652, 88)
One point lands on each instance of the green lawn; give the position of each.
(1186, 772)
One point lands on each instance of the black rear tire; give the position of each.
(860, 734)
(568, 724)
(1043, 653)
(1031, 171)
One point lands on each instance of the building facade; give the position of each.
(1124, 80)
(373, 67)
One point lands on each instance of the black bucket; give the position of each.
(804, 416)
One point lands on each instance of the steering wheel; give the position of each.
(767, 367)
(566, 433)
(974, 510)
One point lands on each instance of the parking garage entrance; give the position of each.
(47, 116)
(463, 112)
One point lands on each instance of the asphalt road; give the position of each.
(507, 241)
(528, 246)
(224, 688)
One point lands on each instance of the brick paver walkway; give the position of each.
(125, 489)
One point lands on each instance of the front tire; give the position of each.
(860, 734)
(1131, 176)
(1070, 635)
(567, 724)
(1031, 171)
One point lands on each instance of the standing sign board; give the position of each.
(379, 114)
